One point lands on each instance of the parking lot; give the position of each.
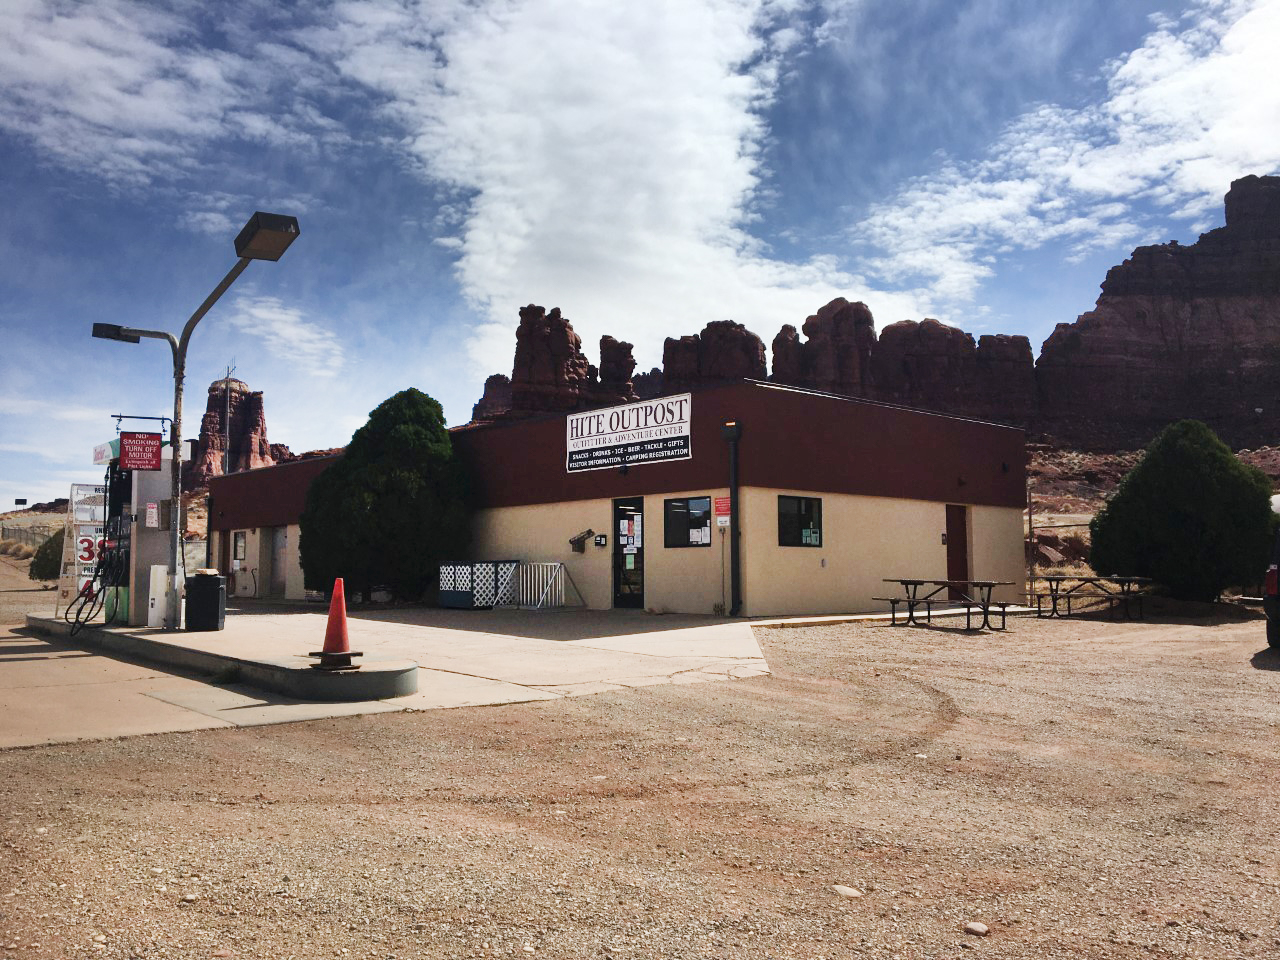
(1081, 788)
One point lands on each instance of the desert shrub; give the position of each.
(391, 508)
(47, 562)
(23, 551)
(1189, 515)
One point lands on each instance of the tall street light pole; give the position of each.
(265, 237)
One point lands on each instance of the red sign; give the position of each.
(140, 451)
(722, 506)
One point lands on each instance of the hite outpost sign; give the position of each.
(650, 431)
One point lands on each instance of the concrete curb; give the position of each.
(293, 676)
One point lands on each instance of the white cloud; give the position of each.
(125, 90)
(1193, 108)
(606, 157)
(288, 335)
(56, 410)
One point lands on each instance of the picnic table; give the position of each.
(1114, 591)
(969, 594)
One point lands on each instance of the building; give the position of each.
(253, 527)
(833, 495)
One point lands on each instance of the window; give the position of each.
(687, 523)
(799, 521)
(238, 545)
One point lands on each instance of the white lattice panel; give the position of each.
(485, 587)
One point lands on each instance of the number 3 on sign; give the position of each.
(86, 547)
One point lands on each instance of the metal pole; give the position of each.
(226, 424)
(173, 614)
(732, 433)
(173, 607)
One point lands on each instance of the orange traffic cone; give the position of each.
(337, 652)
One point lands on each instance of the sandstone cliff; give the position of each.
(1178, 331)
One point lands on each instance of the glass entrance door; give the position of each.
(628, 553)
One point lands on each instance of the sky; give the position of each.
(645, 167)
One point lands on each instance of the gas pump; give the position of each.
(102, 592)
(134, 544)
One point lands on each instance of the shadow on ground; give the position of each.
(554, 624)
(1268, 659)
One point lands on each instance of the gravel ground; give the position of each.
(20, 595)
(1081, 788)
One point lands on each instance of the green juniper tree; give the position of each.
(1189, 515)
(47, 562)
(392, 507)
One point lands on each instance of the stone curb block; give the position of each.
(293, 676)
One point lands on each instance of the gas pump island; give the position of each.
(116, 549)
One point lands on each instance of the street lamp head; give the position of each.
(113, 331)
(266, 236)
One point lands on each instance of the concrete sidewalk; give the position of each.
(461, 661)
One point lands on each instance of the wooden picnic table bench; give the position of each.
(969, 594)
(1117, 592)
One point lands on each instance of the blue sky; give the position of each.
(647, 168)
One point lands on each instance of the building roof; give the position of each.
(793, 439)
(266, 497)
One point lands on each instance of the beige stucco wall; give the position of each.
(996, 549)
(294, 590)
(540, 534)
(865, 540)
(258, 561)
(685, 579)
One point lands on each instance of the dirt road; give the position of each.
(20, 595)
(1084, 789)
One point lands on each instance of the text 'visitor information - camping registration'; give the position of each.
(650, 431)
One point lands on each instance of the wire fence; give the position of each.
(32, 535)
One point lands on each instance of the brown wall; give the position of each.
(268, 497)
(792, 439)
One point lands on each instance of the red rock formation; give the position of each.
(1178, 331)
(723, 351)
(788, 357)
(1004, 388)
(926, 364)
(616, 366)
(836, 356)
(496, 401)
(246, 431)
(647, 385)
(550, 373)
(680, 363)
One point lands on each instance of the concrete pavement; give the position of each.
(53, 691)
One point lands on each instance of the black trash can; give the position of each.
(206, 602)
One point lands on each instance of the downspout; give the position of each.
(731, 430)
